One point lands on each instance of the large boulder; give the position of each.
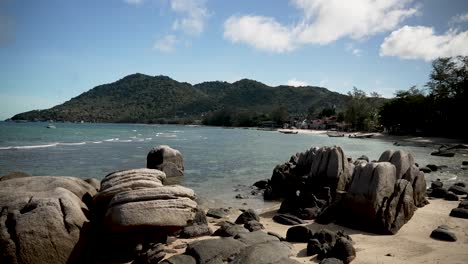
(377, 199)
(42, 219)
(166, 159)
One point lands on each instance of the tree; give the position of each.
(357, 110)
(280, 115)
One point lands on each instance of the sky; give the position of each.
(53, 50)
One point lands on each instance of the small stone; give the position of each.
(443, 233)
(436, 184)
(432, 167)
(217, 212)
(389, 255)
(240, 196)
(247, 216)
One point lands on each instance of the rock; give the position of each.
(229, 230)
(42, 219)
(363, 157)
(331, 261)
(459, 212)
(314, 247)
(14, 175)
(401, 159)
(344, 250)
(168, 208)
(461, 184)
(276, 235)
(438, 193)
(326, 236)
(126, 180)
(433, 167)
(153, 254)
(240, 196)
(465, 162)
(377, 198)
(436, 184)
(443, 153)
(287, 219)
(217, 212)
(195, 231)
(179, 259)
(451, 197)
(261, 184)
(256, 237)
(166, 159)
(247, 216)
(298, 234)
(94, 182)
(443, 233)
(459, 190)
(308, 213)
(265, 253)
(200, 217)
(425, 169)
(212, 250)
(253, 225)
(463, 204)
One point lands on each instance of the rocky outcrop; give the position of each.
(42, 219)
(166, 159)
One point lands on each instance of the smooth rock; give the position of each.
(256, 237)
(195, 231)
(230, 230)
(443, 233)
(459, 190)
(287, 219)
(331, 261)
(179, 259)
(425, 169)
(451, 197)
(166, 159)
(298, 234)
(459, 212)
(217, 212)
(253, 225)
(344, 250)
(436, 184)
(265, 253)
(247, 216)
(212, 250)
(438, 193)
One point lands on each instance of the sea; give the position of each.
(220, 163)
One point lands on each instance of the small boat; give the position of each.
(288, 131)
(335, 134)
(50, 126)
(361, 135)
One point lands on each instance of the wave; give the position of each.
(111, 139)
(29, 147)
(72, 144)
(97, 142)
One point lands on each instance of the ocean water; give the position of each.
(219, 162)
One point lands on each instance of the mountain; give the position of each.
(140, 98)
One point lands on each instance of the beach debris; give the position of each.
(444, 233)
(166, 159)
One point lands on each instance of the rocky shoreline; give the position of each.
(333, 210)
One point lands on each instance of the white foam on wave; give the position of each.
(97, 142)
(124, 140)
(29, 147)
(111, 139)
(72, 144)
(148, 138)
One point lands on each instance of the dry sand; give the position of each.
(411, 244)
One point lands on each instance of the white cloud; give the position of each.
(461, 18)
(194, 12)
(422, 43)
(297, 83)
(355, 51)
(323, 83)
(166, 44)
(260, 32)
(322, 22)
(134, 2)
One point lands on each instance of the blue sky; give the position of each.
(53, 50)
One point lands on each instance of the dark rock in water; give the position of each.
(240, 196)
(247, 216)
(465, 162)
(331, 261)
(459, 212)
(265, 253)
(261, 184)
(253, 225)
(443, 233)
(217, 212)
(166, 159)
(461, 184)
(463, 204)
(287, 219)
(425, 169)
(438, 193)
(230, 230)
(196, 230)
(436, 184)
(363, 157)
(459, 190)
(179, 259)
(212, 250)
(153, 254)
(42, 219)
(298, 234)
(451, 197)
(343, 250)
(256, 237)
(432, 167)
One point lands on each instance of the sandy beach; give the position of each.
(411, 244)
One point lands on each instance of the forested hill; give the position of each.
(140, 98)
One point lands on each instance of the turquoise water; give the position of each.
(219, 162)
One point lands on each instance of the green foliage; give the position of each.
(441, 111)
(140, 98)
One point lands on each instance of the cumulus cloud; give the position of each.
(322, 22)
(423, 43)
(297, 83)
(461, 18)
(166, 44)
(194, 12)
(134, 2)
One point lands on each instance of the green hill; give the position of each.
(140, 98)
